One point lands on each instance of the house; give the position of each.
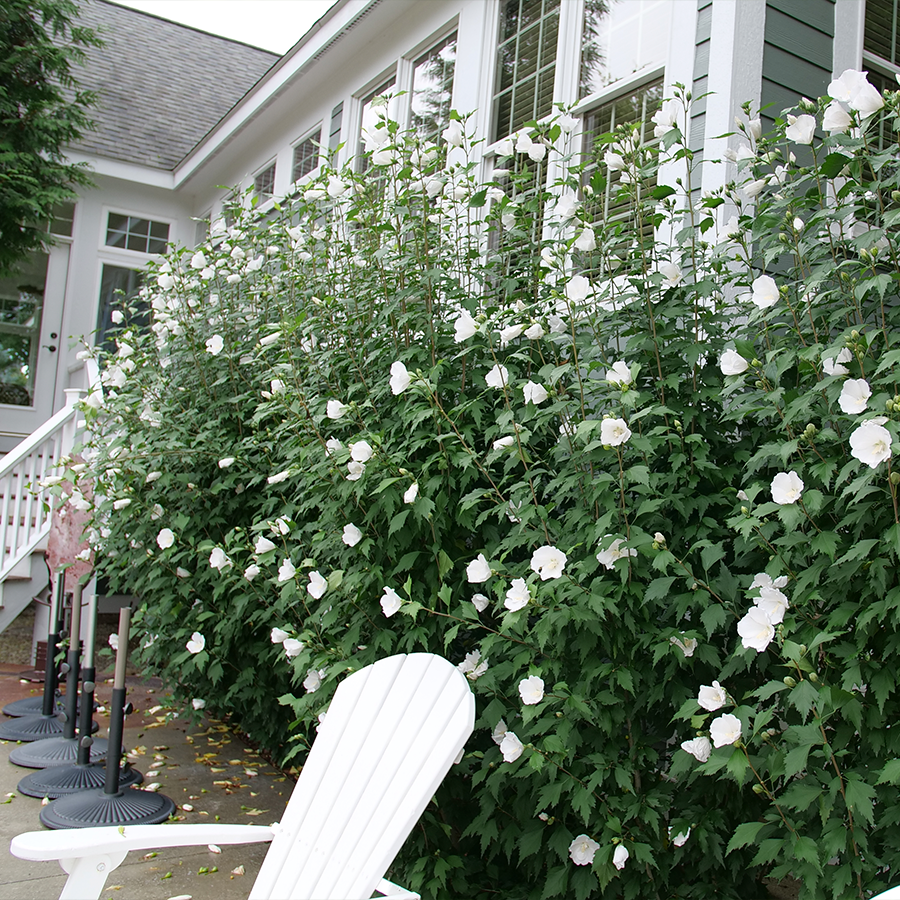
(183, 113)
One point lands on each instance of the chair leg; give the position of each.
(88, 874)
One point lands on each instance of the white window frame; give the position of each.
(123, 253)
(305, 136)
(269, 201)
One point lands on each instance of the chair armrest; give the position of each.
(391, 891)
(77, 842)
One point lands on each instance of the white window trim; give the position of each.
(305, 136)
(122, 253)
(91, 334)
(357, 101)
(262, 204)
(407, 64)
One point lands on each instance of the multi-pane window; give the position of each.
(593, 72)
(133, 233)
(306, 156)
(432, 89)
(117, 284)
(881, 51)
(370, 115)
(62, 219)
(526, 63)
(264, 184)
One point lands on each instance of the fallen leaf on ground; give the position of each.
(238, 871)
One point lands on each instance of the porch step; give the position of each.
(28, 580)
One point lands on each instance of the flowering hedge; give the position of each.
(640, 488)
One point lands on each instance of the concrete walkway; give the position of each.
(208, 771)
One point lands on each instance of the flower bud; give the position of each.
(813, 677)
(895, 478)
(758, 789)
(895, 196)
(745, 510)
(854, 334)
(790, 682)
(771, 732)
(803, 649)
(889, 405)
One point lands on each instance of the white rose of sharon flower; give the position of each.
(498, 377)
(165, 538)
(773, 602)
(534, 393)
(534, 332)
(614, 432)
(317, 585)
(855, 393)
(391, 601)
(400, 378)
(620, 856)
(334, 409)
(725, 730)
(833, 364)
(619, 373)
(616, 550)
(586, 241)
(582, 850)
(836, 118)
(292, 646)
(218, 559)
(531, 690)
(732, 363)
(286, 570)
(251, 571)
(278, 477)
(279, 635)
(871, 444)
(801, 129)
(756, 630)
(352, 535)
(198, 703)
(355, 470)
(511, 747)
(313, 680)
(712, 697)
(764, 292)
(699, 748)
(263, 545)
(517, 596)
(113, 641)
(548, 562)
(510, 333)
(215, 345)
(465, 326)
(409, 496)
(196, 643)
(680, 839)
(480, 602)
(786, 488)
(503, 442)
(478, 570)
(686, 645)
(226, 462)
(361, 451)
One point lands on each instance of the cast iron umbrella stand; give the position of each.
(62, 750)
(111, 805)
(58, 781)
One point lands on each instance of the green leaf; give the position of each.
(713, 618)
(859, 797)
(803, 697)
(832, 164)
(744, 835)
(890, 774)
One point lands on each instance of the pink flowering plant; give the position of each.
(622, 452)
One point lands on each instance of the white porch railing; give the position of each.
(25, 506)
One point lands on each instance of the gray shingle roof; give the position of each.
(162, 86)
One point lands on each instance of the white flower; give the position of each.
(535, 332)
(855, 393)
(218, 559)
(411, 493)
(800, 129)
(478, 570)
(586, 241)
(699, 748)
(400, 378)
(279, 635)
(854, 89)
(753, 188)
(732, 363)
(578, 289)
(534, 393)
(499, 732)
(671, 274)
(535, 151)
(198, 260)
(480, 602)
(666, 118)
(614, 432)
(836, 118)
(548, 562)
(473, 666)
(352, 535)
(286, 570)
(465, 326)
(616, 550)
(453, 133)
(510, 333)
(313, 680)
(317, 585)
(619, 374)
(269, 339)
(764, 292)
(567, 205)
(334, 409)
(511, 747)
(712, 697)
(292, 647)
(614, 161)
(215, 344)
(119, 504)
(725, 730)
(756, 630)
(263, 545)
(833, 364)
(773, 602)
(355, 470)
(198, 704)
(361, 451)
(763, 579)
(113, 641)
(278, 477)
(620, 856)
(582, 850)
(390, 602)
(680, 839)
(182, 573)
(332, 445)
(686, 645)
(871, 444)
(531, 690)
(196, 643)
(518, 595)
(165, 538)
(153, 476)
(251, 571)
(504, 442)
(226, 462)
(786, 488)
(498, 377)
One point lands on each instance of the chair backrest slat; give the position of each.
(391, 733)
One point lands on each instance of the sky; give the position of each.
(271, 24)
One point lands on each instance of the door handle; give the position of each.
(50, 347)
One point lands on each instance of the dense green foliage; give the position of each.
(682, 416)
(42, 110)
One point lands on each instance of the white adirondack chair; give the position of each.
(890, 894)
(391, 734)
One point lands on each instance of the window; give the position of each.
(334, 132)
(133, 233)
(432, 89)
(306, 156)
(201, 229)
(62, 219)
(593, 73)
(370, 115)
(21, 308)
(526, 63)
(881, 51)
(264, 184)
(117, 283)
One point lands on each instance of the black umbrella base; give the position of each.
(89, 808)
(30, 706)
(58, 751)
(60, 781)
(34, 728)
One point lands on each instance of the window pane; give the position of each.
(593, 68)
(21, 306)
(159, 230)
(116, 284)
(432, 89)
(134, 233)
(137, 242)
(62, 219)
(264, 183)
(138, 226)
(882, 30)
(306, 156)
(370, 117)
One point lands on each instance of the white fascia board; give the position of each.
(271, 85)
(125, 171)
